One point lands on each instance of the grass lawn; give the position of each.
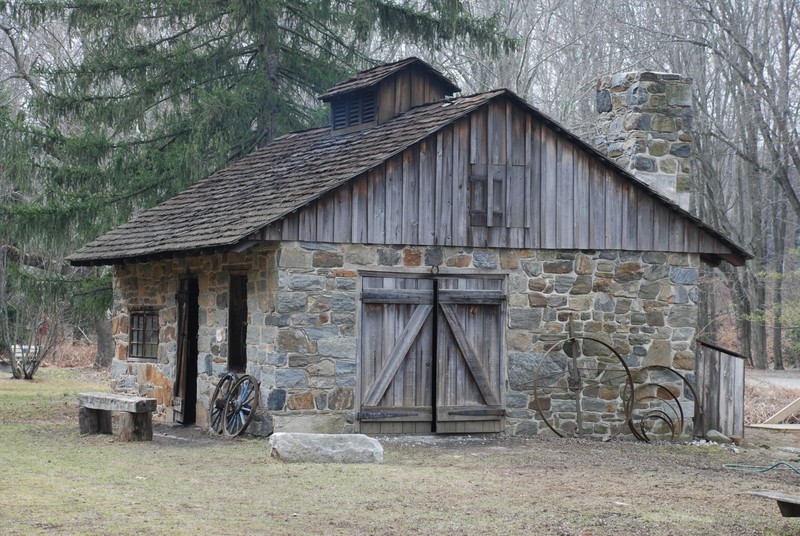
(53, 481)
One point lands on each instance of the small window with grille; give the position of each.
(143, 343)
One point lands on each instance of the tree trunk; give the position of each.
(105, 342)
(779, 237)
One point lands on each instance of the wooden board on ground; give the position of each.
(785, 413)
(789, 504)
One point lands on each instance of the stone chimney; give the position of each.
(645, 125)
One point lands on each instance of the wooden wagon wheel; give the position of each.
(216, 408)
(568, 382)
(241, 405)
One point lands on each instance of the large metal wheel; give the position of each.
(216, 408)
(241, 405)
(579, 379)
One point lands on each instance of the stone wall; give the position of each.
(303, 305)
(645, 124)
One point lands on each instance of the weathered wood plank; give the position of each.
(581, 205)
(394, 200)
(376, 206)
(478, 137)
(549, 177)
(397, 354)
(444, 187)
(402, 92)
(94, 421)
(326, 221)
(597, 206)
(529, 161)
(496, 130)
(410, 182)
(427, 192)
(116, 402)
(788, 504)
(677, 231)
(785, 413)
(534, 172)
(644, 225)
(460, 181)
(386, 103)
(407, 296)
(613, 212)
(475, 366)
(660, 228)
(565, 186)
(307, 225)
(630, 213)
(360, 220)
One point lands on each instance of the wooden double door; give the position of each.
(431, 354)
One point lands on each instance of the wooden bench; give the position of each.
(136, 415)
(788, 504)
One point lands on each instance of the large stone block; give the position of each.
(337, 347)
(325, 448)
(291, 302)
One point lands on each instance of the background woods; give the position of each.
(108, 108)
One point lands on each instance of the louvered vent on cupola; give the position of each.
(356, 110)
(380, 94)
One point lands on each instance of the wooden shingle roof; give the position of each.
(295, 170)
(372, 77)
(266, 185)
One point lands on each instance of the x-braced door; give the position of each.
(431, 354)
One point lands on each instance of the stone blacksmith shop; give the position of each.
(409, 268)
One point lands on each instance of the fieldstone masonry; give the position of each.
(645, 125)
(303, 305)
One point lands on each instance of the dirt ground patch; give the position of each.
(187, 482)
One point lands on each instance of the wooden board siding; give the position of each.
(545, 192)
(720, 385)
(406, 89)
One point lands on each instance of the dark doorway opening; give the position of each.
(185, 388)
(237, 324)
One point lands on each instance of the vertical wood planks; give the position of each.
(427, 191)
(613, 213)
(534, 173)
(376, 206)
(630, 216)
(460, 181)
(360, 217)
(565, 209)
(660, 228)
(410, 185)
(444, 187)
(720, 385)
(597, 206)
(644, 225)
(402, 97)
(549, 179)
(386, 102)
(394, 200)
(581, 211)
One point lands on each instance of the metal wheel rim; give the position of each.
(627, 403)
